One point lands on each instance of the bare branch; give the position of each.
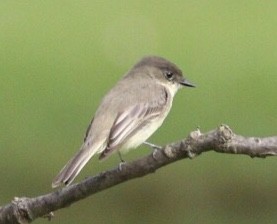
(223, 140)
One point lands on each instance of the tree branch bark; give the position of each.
(223, 140)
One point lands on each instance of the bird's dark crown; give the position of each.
(160, 63)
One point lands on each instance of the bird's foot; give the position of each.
(121, 166)
(155, 148)
(122, 162)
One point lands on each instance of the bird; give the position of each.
(128, 114)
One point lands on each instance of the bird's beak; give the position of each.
(185, 82)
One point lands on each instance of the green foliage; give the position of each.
(58, 58)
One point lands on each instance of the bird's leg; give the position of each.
(120, 157)
(122, 162)
(153, 146)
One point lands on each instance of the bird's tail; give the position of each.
(74, 166)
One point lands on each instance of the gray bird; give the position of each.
(129, 113)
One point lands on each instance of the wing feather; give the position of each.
(129, 122)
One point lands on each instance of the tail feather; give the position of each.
(73, 167)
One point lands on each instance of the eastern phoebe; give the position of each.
(129, 114)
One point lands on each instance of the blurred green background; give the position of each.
(58, 58)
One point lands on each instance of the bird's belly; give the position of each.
(142, 135)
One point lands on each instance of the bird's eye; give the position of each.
(169, 75)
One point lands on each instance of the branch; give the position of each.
(223, 140)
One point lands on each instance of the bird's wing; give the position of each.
(128, 122)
